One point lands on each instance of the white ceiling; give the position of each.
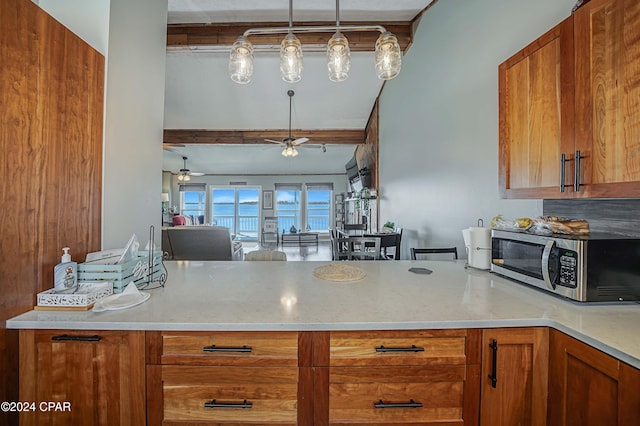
(200, 95)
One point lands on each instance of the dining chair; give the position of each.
(415, 251)
(265, 255)
(357, 248)
(396, 247)
(357, 229)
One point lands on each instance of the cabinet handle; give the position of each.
(410, 404)
(68, 337)
(413, 348)
(214, 348)
(563, 160)
(576, 179)
(214, 404)
(494, 362)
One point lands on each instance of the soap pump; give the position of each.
(65, 274)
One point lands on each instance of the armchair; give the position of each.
(201, 243)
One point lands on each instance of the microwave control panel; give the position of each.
(568, 269)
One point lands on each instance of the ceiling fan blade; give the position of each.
(310, 146)
(272, 141)
(196, 173)
(299, 141)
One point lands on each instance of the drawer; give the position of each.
(230, 348)
(439, 347)
(252, 395)
(396, 395)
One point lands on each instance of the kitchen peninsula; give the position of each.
(308, 340)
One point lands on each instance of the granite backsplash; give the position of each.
(616, 216)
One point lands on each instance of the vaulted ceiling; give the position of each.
(201, 96)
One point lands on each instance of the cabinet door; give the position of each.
(588, 387)
(536, 98)
(98, 377)
(514, 376)
(608, 97)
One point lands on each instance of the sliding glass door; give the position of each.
(238, 209)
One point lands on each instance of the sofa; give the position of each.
(200, 243)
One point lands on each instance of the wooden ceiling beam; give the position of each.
(225, 34)
(253, 137)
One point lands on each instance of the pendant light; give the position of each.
(241, 61)
(338, 53)
(387, 56)
(291, 53)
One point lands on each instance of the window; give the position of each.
(238, 209)
(288, 205)
(318, 214)
(192, 200)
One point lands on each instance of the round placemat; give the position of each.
(339, 272)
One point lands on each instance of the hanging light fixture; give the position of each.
(338, 53)
(289, 151)
(291, 54)
(184, 175)
(241, 61)
(388, 56)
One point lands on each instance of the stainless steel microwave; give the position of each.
(595, 268)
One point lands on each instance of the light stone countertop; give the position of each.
(261, 296)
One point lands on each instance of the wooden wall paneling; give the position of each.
(51, 107)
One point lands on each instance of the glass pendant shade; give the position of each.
(388, 57)
(290, 151)
(291, 59)
(338, 57)
(241, 61)
(183, 177)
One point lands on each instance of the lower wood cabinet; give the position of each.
(503, 376)
(588, 387)
(398, 378)
(514, 376)
(226, 378)
(97, 377)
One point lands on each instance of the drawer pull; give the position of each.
(410, 404)
(413, 348)
(68, 337)
(214, 404)
(214, 348)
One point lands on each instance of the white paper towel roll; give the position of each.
(480, 251)
(466, 236)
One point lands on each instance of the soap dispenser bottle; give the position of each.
(65, 274)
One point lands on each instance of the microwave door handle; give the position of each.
(546, 253)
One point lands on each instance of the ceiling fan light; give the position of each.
(241, 61)
(338, 57)
(291, 59)
(388, 57)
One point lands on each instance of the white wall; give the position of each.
(88, 19)
(134, 121)
(439, 119)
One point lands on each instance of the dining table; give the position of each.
(387, 239)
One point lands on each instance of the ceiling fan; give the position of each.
(290, 143)
(185, 174)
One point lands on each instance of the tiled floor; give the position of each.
(294, 253)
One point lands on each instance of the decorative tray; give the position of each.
(88, 293)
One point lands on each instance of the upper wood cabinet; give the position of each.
(536, 115)
(574, 91)
(607, 92)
